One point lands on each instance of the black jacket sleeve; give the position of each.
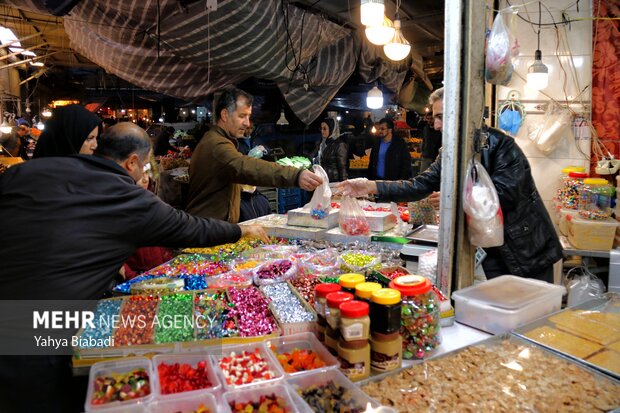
(372, 162)
(413, 189)
(169, 227)
(342, 158)
(404, 162)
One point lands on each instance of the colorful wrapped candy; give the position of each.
(121, 387)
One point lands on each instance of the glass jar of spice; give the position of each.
(419, 316)
(349, 281)
(354, 359)
(320, 294)
(354, 321)
(332, 312)
(386, 351)
(385, 311)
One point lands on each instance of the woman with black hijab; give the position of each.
(71, 130)
(333, 151)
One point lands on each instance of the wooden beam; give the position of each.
(21, 40)
(22, 51)
(32, 59)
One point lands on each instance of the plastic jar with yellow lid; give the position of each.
(595, 199)
(363, 291)
(385, 311)
(349, 281)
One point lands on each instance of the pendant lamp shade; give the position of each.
(372, 12)
(398, 48)
(374, 100)
(381, 34)
(282, 120)
(538, 73)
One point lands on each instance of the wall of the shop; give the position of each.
(564, 84)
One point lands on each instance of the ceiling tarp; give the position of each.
(194, 52)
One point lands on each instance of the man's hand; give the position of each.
(254, 231)
(356, 187)
(433, 199)
(308, 181)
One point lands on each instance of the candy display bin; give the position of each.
(258, 348)
(126, 366)
(591, 235)
(303, 341)
(292, 403)
(563, 215)
(192, 360)
(185, 402)
(351, 399)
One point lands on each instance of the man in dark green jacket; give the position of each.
(217, 169)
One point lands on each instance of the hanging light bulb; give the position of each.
(40, 126)
(380, 34)
(538, 72)
(372, 12)
(374, 99)
(282, 120)
(398, 47)
(373, 130)
(5, 127)
(47, 113)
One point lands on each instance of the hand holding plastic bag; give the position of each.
(320, 204)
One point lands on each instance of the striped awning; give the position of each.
(187, 51)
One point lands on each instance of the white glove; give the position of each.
(356, 187)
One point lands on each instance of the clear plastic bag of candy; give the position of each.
(322, 263)
(320, 204)
(352, 220)
(274, 271)
(358, 262)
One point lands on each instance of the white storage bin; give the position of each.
(586, 234)
(506, 302)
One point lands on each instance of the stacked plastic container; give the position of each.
(292, 387)
(568, 197)
(593, 229)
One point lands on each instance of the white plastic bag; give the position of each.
(498, 62)
(582, 287)
(485, 221)
(320, 204)
(555, 126)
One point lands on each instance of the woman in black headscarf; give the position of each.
(71, 130)
(333, 151)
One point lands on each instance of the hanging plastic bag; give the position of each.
(352, 220)
(498, 63)
(582, 286)
(480, 200)
(555, 126)
(402, 228)
(320, 204)
(485, 221)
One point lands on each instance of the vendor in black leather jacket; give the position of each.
(531, 245)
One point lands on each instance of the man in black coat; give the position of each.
(531, 245)
(68, 225)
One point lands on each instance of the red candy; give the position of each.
(177, 378)
(355, 226)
